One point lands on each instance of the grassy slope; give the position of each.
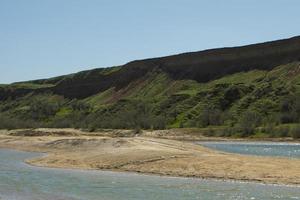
(261, 91)
(180, 102)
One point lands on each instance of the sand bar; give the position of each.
(67, 148)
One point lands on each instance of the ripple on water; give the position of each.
(290, 150)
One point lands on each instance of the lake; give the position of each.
(19, 181)
(290, 150)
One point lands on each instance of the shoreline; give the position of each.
(166, 176)
(149, 174)
(153, 156)
(155, 174)
(174, 134)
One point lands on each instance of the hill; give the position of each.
(244, 90)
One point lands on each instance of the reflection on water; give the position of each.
(257, 148)
(19, 181)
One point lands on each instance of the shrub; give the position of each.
(15, 123)
(282, 131)
(60, 123)
(211, 117)
(295, 132)
(269, 129)
(290, 109)
(288, 117)
(209, 133)
(248, 122)
(229, 131)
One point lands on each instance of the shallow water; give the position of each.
(19, 181)
(291, 150)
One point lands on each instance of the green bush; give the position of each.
(15, 123)
(248, 122)
(209, 132)
(210, 117)
(282, 131)
(295, 132)
(230, 131)
(268, 129)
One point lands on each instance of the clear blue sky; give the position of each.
(45, 38)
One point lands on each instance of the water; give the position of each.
(291, 150)
(19, 181)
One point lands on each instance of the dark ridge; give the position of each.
(82, 85)
(202, 66)
(11, 93)
(207, 65)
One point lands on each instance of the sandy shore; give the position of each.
(109, 151)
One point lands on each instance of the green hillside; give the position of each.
(243, 91)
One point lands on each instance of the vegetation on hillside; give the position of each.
(245, 91)
(243, 104)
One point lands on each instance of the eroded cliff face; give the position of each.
(202, 66)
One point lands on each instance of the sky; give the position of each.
(47, 38)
